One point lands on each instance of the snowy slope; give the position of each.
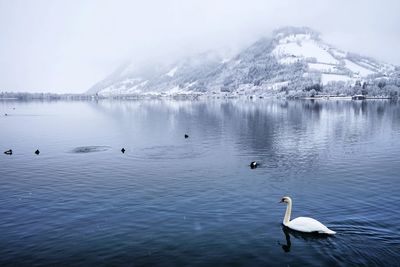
(327, 78)
(332, 64)
(302, 46)
(358, 69)
(171, 73)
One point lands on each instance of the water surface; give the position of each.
(171, 201)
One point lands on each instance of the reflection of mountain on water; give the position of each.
(279, 132)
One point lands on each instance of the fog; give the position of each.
(67, 46)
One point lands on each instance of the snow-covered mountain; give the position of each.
(293, 57)
(331, 63)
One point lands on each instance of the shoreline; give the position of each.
(345, 98)
(182, 97)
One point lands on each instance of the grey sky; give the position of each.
(66, 46)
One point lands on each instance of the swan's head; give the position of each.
(286, 200)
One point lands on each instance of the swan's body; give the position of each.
(308, 225)
(303, 224)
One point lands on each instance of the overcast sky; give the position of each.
(67, 46)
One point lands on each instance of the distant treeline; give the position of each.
(45, 96)
(373, 87)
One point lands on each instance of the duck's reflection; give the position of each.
(299, 235)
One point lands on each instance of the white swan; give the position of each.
(303, 224)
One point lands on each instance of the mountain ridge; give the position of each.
(293, 59)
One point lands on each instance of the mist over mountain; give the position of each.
(293, 60)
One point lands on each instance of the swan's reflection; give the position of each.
(286, 247)
(288, 244)
(299, 235)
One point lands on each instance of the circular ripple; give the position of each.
(89, 149)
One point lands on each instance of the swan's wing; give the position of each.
(308, 225)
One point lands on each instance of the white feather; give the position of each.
(303, 224)
(309, 225)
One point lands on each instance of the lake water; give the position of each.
(171, 201)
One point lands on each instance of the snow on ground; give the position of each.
(225, 60)
(303, 47)
(376, 66)
(322, 67)
(125, 86)
(278, 85)
(172, 72)
(111, 90)
(294, 38)
(237, 62)
(177, 90)
(337, 53)
(136, 88)
(288, 60)
(371, 65)
(191, 84)
(132, 80)
(358, 69)
(173, 90)
(326, 78)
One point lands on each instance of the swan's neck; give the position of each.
(286, 219)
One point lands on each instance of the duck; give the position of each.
(8, 152)
(123, 150)
(186, 136)
(253, 164)
(303, 224)
(37, 152)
